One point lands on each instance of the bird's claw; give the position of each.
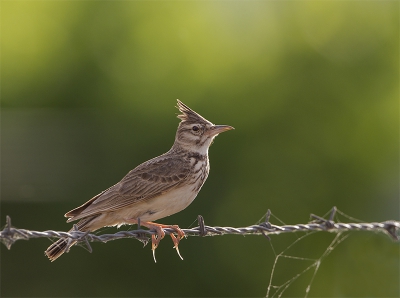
(176, 240)
(155, 240)
(154, 255)
(176, 243)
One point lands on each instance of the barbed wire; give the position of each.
(9, 235)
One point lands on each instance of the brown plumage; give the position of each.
(155, 189)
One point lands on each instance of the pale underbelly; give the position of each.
(164, 205)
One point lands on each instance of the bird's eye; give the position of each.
(195, 128)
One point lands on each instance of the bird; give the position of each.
(155, 189)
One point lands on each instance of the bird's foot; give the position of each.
(176, 240)
(160, 234)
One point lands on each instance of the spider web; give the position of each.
(302, 269)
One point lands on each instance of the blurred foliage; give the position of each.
(312, 88)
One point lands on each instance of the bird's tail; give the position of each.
(54, 251)
(62, 245)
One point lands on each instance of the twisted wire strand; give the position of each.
(9, 235)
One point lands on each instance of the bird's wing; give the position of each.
(148, 180)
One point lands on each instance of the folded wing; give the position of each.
(148, 180)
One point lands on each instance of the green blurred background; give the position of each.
(88, 90)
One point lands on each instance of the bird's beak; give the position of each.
(217, 129)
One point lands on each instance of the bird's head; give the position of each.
(195, 133)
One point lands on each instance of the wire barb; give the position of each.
(202, 228)
(10, 235)
(392, 228)
(330, 222)
(266, 224)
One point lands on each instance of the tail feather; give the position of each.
(62, 245)
(54, 251)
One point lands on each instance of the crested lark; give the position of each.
(155, 189)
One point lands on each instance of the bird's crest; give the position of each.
(188, 114)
